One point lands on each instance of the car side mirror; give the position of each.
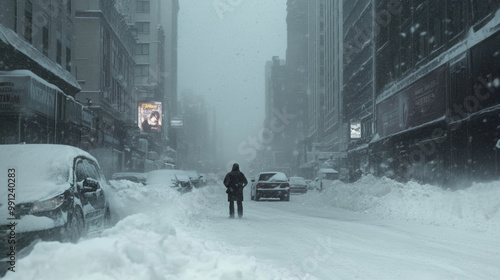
(90, 185)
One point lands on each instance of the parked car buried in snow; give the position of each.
(185, 182)
(135, 177)
(298, 185)
(196, 178)
(270, 185)
(54, 192)
(325, 177)
(168, 178)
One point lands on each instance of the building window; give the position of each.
(437, 31)
(142, 27)
(420, 32)
(142, 49)
(142, 6)
(456, 24)
(28, 25)
(45, 41)
(142, 70)
(68, 59)
(59, 52)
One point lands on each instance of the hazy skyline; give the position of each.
(222, 52)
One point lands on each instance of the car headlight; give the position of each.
(48, 205)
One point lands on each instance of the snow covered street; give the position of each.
(373, 229)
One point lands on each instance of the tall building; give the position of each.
(295, 82)
(272, 153)
(37, 85)
(156, 57)
(316, 78)
(358, 76)
(327, 134)
(170, 10)
(437, 85)
(104, 63)
(334, 126)
(193, 136)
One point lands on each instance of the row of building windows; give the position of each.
(41, 18)
(420, 30)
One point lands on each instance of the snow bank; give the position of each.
(475, 208)
(149, 241)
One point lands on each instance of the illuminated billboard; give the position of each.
(355, 129)
(149, 116)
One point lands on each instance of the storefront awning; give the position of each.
(47, 69)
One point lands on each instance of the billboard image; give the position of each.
(149, 116)
(355, 129)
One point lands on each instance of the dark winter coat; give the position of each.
(235, 181)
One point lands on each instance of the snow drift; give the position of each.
(475, 208)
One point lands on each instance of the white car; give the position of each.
(298, 185)
(56, 192)
(325, 177)
(270, 185)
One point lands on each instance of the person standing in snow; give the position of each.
(235, 181)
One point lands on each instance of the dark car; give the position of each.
(270, 185)
(298, 185)
(55, 192)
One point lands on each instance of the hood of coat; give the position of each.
(235, 170)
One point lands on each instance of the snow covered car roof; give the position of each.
(327, 170)
(40, 170)
(183, 177)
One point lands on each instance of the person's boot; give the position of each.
(240, 209)
(231, 210)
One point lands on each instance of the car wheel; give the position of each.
(75, 227)
(287, 197)
(257, 196)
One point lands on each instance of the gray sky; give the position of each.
(222, 56)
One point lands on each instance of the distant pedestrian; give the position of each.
(235, 181)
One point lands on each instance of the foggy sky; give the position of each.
(222, 57)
